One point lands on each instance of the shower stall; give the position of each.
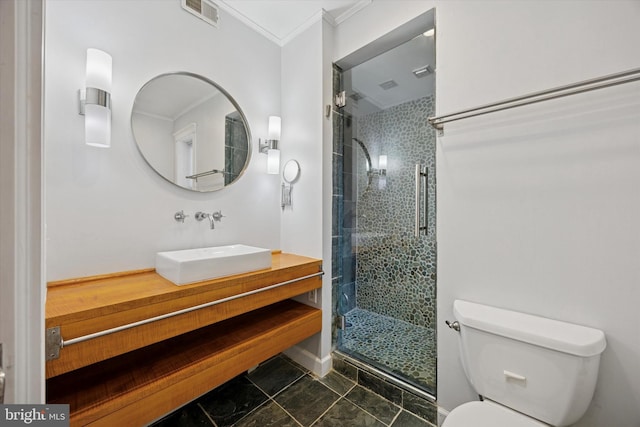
(384, 246)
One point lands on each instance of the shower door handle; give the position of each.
(421, 193)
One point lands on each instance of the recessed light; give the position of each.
(423, 71)
(429, 33)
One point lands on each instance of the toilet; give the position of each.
(530, 371)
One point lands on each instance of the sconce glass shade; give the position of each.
(99, 66)
(274, 127)
(270, 146)
(382, 162)
(97, 99)
(97, 126)
(273, 162)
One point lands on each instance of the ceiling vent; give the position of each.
(203, 9)
(356, 96)
(388, 84)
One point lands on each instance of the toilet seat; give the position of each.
(488, 414)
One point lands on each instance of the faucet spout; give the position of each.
(216, 216)
(201, 215)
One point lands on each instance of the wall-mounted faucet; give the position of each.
(213, 217)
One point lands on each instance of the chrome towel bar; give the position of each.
(201, 174)
(532, 98)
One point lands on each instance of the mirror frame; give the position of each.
(287, 168)
(229, 98)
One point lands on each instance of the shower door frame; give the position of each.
(341, 144)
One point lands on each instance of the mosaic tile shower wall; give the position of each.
(395, 271)
(235, 147)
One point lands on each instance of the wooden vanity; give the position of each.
(164, 344)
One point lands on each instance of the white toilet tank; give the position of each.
(544, 368)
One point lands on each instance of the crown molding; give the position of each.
(351, 11)
(248, 22)
(281, 41)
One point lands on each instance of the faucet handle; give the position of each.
(217, 216)
(180, 216)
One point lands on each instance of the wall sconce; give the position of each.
(95, 99)
(382, 167)
(382, 170)
(382, 164)
(270, 146)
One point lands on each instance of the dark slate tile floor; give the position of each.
(280, 393)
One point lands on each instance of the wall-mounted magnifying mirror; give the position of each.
(291, 171)
(290, 174)
(191, 132)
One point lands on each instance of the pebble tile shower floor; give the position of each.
(280, 393)
(406, 349)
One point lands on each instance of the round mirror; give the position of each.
(291, 171)
(191, 132)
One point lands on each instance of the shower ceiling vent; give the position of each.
(356, 96)
(203, 9)
(388, 84)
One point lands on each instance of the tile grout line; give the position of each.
(367, 412)
(272, 398)
(336, 391)
(344, 397)
(279, 391)
(288, 413)
(313, 378)
(328, 409)
(340, 397)
(206, 414)
(252, 411)
(269, 398)
(396, 417)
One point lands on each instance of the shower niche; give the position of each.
(384, 205)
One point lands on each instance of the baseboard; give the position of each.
(442, 414)
(310, 361)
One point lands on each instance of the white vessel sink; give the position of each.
(194, 265)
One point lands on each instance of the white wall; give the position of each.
(306, 85)
(302, 140)
(106, 209)
(537, 207)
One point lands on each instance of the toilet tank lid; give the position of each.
(554, 334)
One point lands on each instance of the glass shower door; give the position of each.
(386, 299)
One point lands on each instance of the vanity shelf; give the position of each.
(136, 375)
(138, 387)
